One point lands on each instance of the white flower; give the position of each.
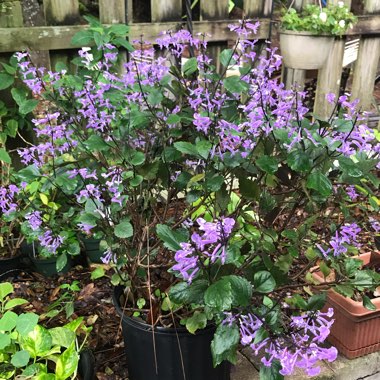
(342, 23)
(323, 16)
(340, 4)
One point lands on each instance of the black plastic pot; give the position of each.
(48, 267)
(86, 365)
(92, 250)
(170, 346)
(10, 266)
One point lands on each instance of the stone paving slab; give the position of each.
(363, 368)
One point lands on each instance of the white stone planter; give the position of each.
(304, 50)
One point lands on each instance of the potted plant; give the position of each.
(307, 37)
(210, 194)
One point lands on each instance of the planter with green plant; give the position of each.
(212, 196)
(306, 37)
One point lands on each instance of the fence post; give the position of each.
(168, 10)
(112, 11)
(217, 10)
(367, 63)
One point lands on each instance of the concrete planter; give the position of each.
(356, 331)
(304, 50)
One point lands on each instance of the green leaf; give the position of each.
(124, 229)
(38, 342)
(12, 127)
(28, 106)
(83, 38)
(186, 148)
(345, 290)
(97, 273)
(96, 144)
(5, 157)
(5, 340)
(20, 359)
(317, 301)
(235, 85)
(62, 336)
(8, 321)
(171, 239)
(61, 262)
(67, 363)
(299, 161)
(138, 158)
(263, 282)
(155, 96)
(214, 183)
(183, 293)
(241, 290)
(6, 288)
(197, 321)
(224, 344)
(272, 372)
(26, 323)
(14, 302)
(367, 303)
(6, 80)
(320, 183)
(204, 148)
(249, 189)
(219, 296)
(135, 181)
(190, 66)
(268, 164)
(225, 57)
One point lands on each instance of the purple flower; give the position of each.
(298, 347)
(108, 256)
(350, 190)
(35, 220)
(50, 242)
(187, 263)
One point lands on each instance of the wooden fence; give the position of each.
(49, 28)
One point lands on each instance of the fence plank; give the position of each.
(168, 10)
(366, 65)
(210, 10)
(12, 18)
(112, 11)
(256, 8)
(61, 12)
(329, 77)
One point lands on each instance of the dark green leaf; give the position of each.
(219, 296)
(267, 164)
(203, 148)
(96, 143)
(83, 38)
(299, 161)
(235, 85)
(263, 282)
(249, 189)
(367, 303)
(241, 290)
(316, 302)
(6, 80)
(190, 67)
(214, 183)
(184, 293)
(272, 372)
(171, 239)
(320, 183)
(224, 344)
(186, 148)
(345, 290)
(225, 57)
(28, 106)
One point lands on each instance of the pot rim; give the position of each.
(305, 33)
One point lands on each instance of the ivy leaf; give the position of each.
(67, 363)
(320, 183)
(224, 344)
(263, 282)
(124, 229)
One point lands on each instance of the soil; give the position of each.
(93, 302)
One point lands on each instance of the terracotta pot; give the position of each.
(304, 50)
(356, 331)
